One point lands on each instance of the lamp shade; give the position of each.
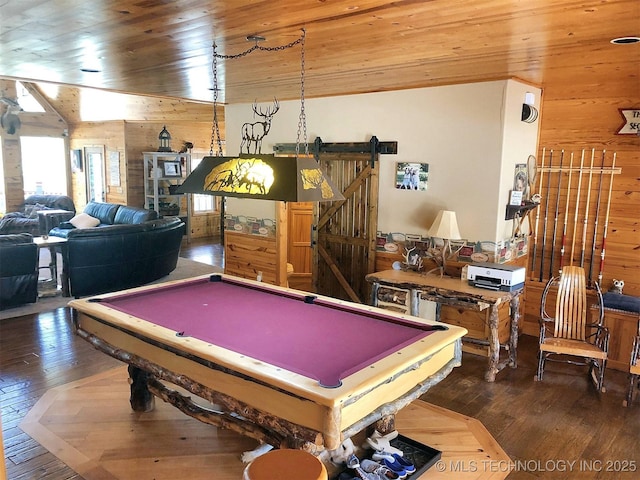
(445, 226)
(263, 177)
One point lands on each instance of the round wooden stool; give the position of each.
(285, 463)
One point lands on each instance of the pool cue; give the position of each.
(606, 223)
(535, 235)
(575, 218)
(555, 220)
(546, 215)
(595, 224)
(566, 214)
(586, 210)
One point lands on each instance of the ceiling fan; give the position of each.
(9, 120)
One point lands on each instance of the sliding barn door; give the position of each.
(346, 230)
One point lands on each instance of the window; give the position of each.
(26, 100)
(43, 166)
(203, 203)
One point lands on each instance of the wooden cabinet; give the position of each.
(623, 327)
(477, 325)
(163, 173)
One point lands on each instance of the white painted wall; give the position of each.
(471, 136)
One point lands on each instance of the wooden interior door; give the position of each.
(346, 230)
(299, 252)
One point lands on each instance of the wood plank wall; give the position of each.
(108, 136)
(579, 114)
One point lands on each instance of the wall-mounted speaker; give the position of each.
(529, 113)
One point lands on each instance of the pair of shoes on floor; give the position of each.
(380, 442)
(353, 463)
(381, 471)
(394, 462)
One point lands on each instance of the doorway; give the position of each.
(95, 174)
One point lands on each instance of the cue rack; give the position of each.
(571, 223)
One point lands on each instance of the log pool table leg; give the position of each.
(141, 399)
(386, 425)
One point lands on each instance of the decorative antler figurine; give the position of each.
(412, 262)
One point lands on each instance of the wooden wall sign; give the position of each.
(632, 121)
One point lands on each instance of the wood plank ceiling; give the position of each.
(164, 47)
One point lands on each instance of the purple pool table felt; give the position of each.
(319, 340)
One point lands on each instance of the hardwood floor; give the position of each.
(543, 425)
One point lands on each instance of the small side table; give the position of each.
(52, 243)
(48, 219)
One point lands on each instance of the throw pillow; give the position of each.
(83, 220)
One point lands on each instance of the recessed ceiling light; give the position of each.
(625, 40)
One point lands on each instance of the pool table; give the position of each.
(283, 366)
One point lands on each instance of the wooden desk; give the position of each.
(458, 293)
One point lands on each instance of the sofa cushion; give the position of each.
(83, 220)
(105, 212)
(128, 215)
(16, 238)
(619, 301)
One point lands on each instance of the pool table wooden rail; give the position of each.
(276, 405)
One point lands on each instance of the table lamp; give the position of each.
(445, 226)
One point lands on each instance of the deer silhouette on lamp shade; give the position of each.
(253, 133)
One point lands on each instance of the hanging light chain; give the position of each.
(215, 128)
(302, 119)
(258, 47)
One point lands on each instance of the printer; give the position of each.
(496, 276)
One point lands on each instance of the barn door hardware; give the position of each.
(373, 146)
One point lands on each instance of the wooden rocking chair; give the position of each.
(634, 369)
(572, 335)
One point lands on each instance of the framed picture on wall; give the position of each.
(521, 180)
(412, 176)
(172, 169)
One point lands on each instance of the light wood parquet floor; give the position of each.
(560, 428)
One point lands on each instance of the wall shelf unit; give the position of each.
(163, 173)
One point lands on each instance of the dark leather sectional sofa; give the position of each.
(28, 221)
(130, 247)
(18, 270)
